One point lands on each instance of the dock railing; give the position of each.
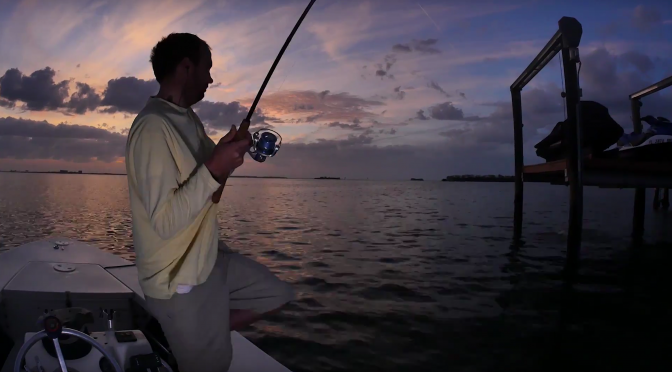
(573, 169)
(636, 100)
(566, 41)
(640, 192)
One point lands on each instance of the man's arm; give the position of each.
(217, 195)
(169, 205)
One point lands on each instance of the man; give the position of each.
(194, 285)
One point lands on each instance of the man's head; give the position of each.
(183, 61)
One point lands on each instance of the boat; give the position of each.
(91, 302)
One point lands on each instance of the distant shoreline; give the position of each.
(464, 178)
(498, 178)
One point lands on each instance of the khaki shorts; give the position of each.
(196, 324)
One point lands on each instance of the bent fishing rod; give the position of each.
(266, 142)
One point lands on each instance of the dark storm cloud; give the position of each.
(38, 90)
(128, 94)
(30, 139)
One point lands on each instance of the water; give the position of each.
(409, 276)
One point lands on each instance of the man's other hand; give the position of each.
(227, 156)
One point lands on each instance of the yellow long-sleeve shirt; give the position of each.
(175, 231)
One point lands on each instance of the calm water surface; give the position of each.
(410, 276)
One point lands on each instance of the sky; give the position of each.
(377, 89)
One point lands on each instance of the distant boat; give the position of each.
(417, 179)
(327, 178)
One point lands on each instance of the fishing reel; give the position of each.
(265, 144)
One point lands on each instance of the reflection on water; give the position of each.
(408, 276)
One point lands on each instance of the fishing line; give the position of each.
(266, 142)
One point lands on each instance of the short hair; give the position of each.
(172, 49)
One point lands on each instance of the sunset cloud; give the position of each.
(38, 90)
(30, 139)
(319, 106)
(128, 94)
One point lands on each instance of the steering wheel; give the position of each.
(53, 329)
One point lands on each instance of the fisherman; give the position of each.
(194, 285)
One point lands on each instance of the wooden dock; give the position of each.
(577, 169)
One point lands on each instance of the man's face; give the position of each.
(200, 78)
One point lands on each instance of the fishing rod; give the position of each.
(266, 142)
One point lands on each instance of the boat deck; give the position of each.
(94, 279)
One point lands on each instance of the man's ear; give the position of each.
(186, 65)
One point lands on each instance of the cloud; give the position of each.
(641, 61)
(644, 18)
(30, 139)
(6, 103)
(83, 100)
(38, 90)
(400, 93)
(603, 81)
(421, 46)
(220, 115)
(447, 111)
(355, 126)
(436, 86)
(322, 106)
(383, 70)
(420, 115)
(128, 94)
(400, 48)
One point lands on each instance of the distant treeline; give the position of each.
(477, 178)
